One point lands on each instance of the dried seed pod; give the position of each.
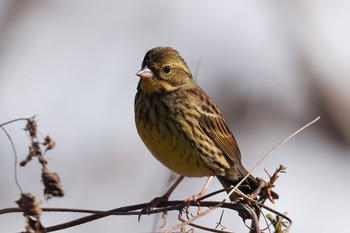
(32, 127)
(30, 205)
(52, 183)
(49, 143)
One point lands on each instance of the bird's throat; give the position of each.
(152, 86)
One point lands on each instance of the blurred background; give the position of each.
(271, 66)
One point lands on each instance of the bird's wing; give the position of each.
(217, 130)
(213, 124)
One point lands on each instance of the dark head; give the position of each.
(163, 70)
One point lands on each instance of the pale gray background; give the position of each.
(271, 66)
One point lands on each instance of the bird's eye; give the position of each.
(166, 69)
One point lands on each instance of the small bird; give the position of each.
(182, 126)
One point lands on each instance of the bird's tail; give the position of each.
(247, 187)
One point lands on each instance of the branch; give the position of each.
(136, 210)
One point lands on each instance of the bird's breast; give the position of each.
(158, 125)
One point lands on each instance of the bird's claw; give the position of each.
(188, 201)
(153, 204)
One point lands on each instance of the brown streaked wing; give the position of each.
(214, 125)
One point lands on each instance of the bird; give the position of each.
(182, 126)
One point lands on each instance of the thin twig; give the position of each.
(207, 229)
(18, 119)
(15, 154)
(258, 204)
(126, 210)
(268, 154)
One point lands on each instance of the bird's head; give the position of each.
(163, 70)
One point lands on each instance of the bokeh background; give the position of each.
(271, 66)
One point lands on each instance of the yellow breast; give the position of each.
(173, 150)
(167, 144)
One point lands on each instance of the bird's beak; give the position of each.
(145, 73)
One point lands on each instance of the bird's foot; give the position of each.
(154, 203)
(188, 202)
(194, 198)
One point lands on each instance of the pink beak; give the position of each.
(145, 73)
